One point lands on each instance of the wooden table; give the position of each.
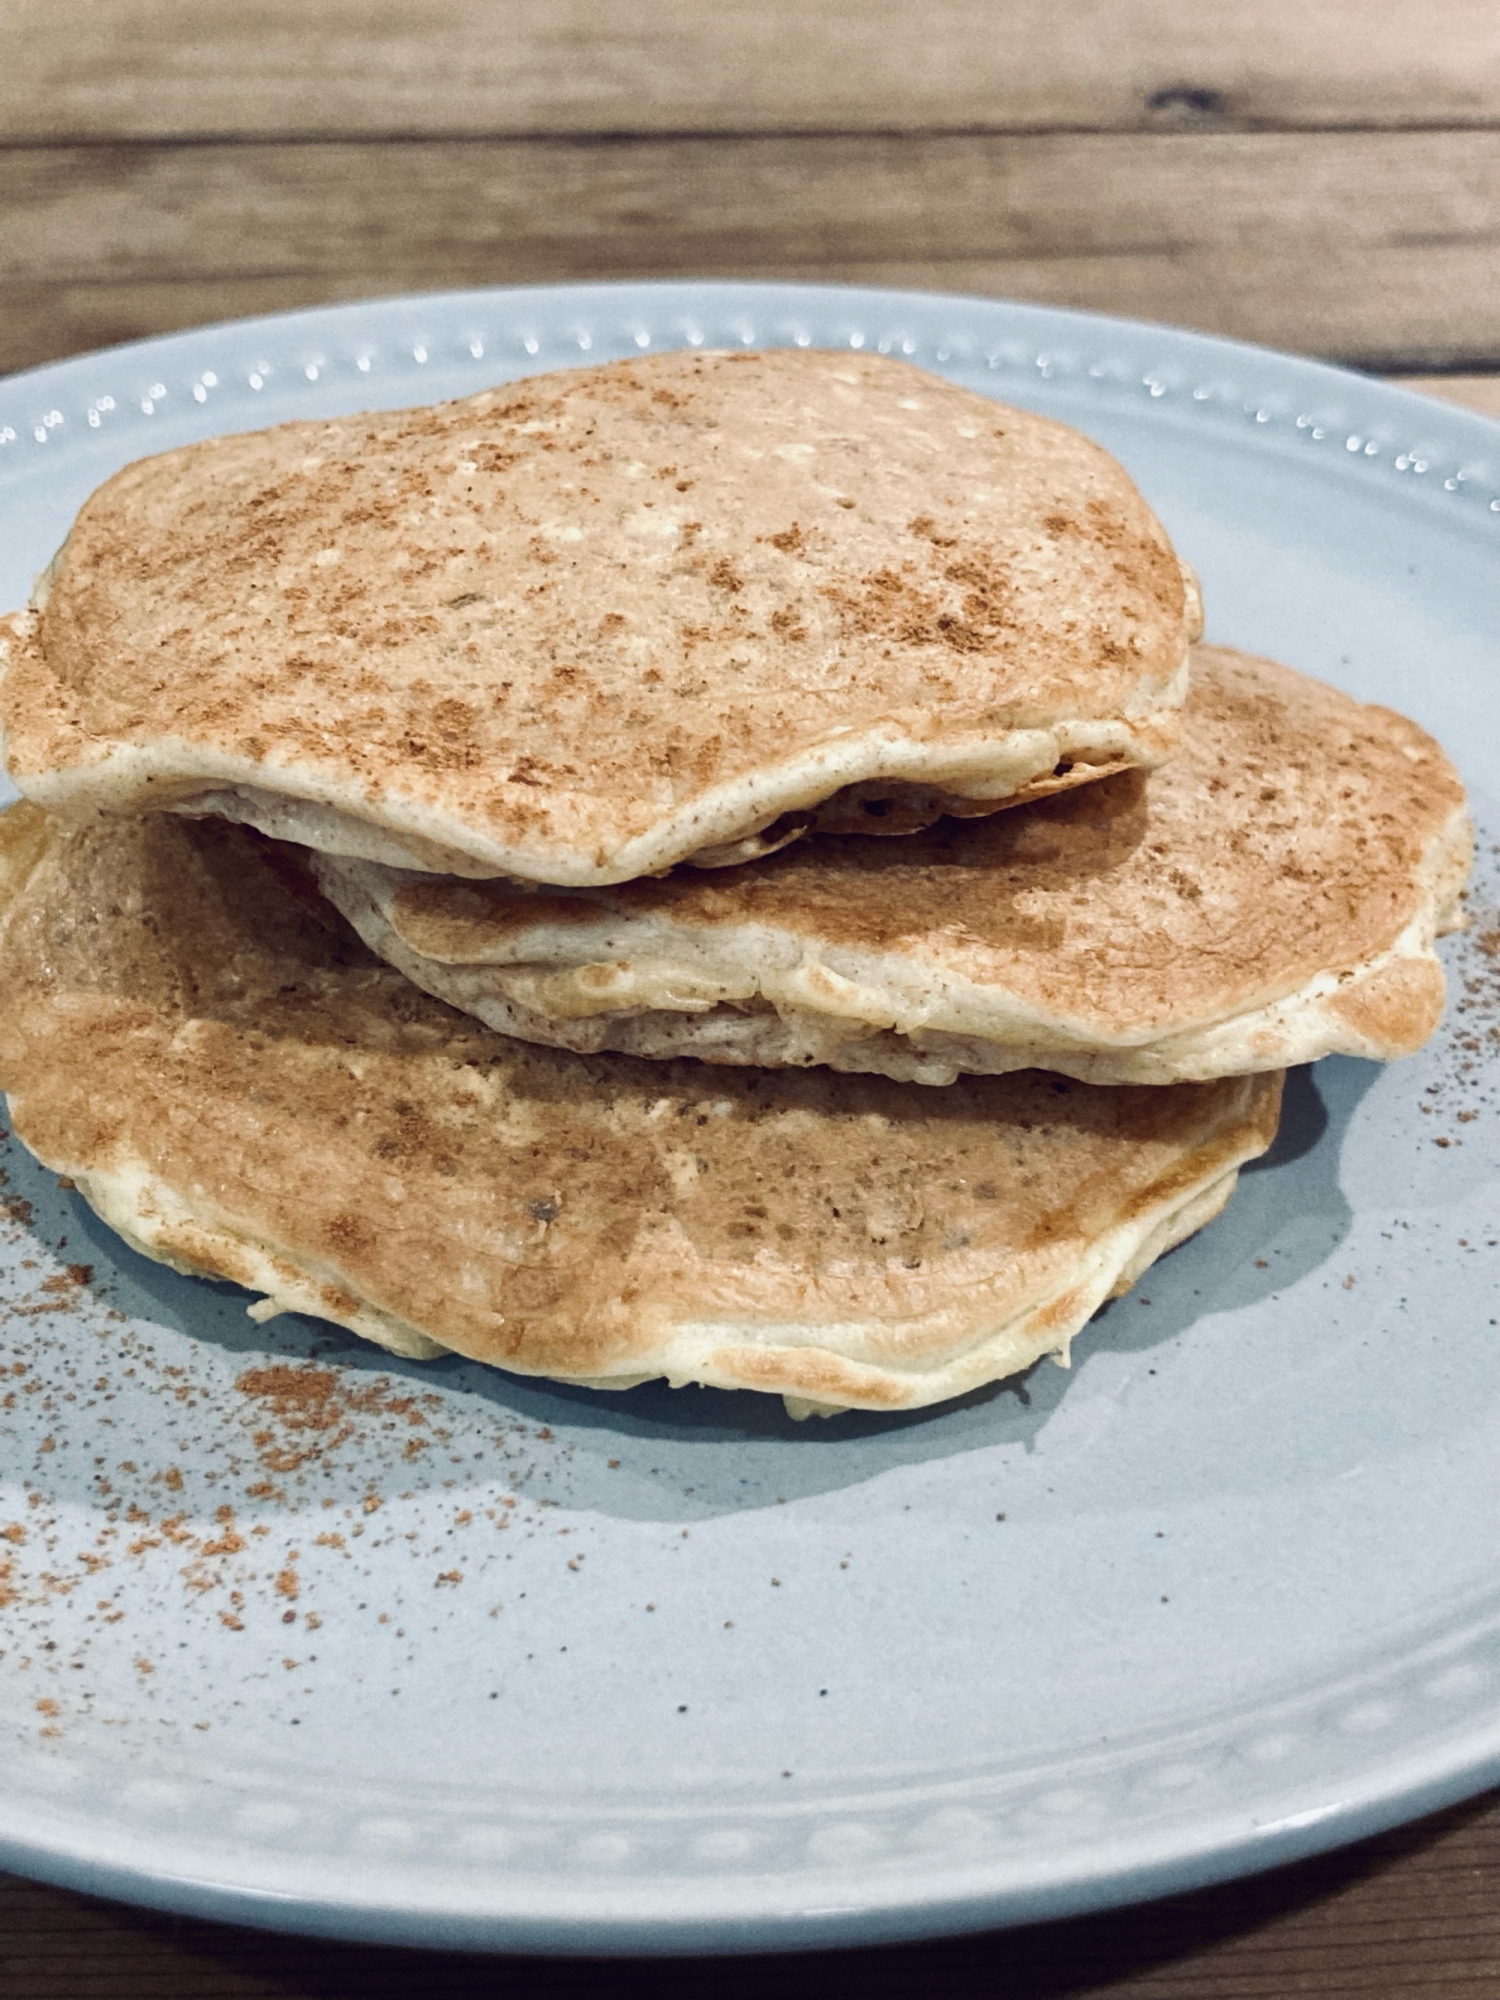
(1322, 177)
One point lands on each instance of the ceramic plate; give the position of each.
(299, 1635)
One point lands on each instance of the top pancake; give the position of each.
(241, 1089)
(585, 626)
(1268, 897)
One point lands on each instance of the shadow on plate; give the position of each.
(1284, 1222)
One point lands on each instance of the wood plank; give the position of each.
(1376, 248)
(157, 68)
(1411, 1915)
(1473, 392)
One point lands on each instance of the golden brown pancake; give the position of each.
(242, 1090)
(1269, 897)
(583, 627)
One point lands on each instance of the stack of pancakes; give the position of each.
(725, 867)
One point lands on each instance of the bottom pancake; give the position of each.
(243, 1091)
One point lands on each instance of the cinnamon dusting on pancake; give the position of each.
(1270, 895)
(241, 1089)
(498, 635)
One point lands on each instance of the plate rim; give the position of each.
(1393, 1791)
(793, 1920)
(1440, 419)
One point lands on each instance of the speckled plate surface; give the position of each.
(293, 1634)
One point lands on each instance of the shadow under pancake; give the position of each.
(1285, 1220)
(1086, 833)
(699, 1452)
(1304, 1119)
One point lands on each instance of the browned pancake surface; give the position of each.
(1293, 835)
(556, 613)
(170, 1012)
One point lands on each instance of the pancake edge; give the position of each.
(842, 1009)
(315, 808)
(792, 1360)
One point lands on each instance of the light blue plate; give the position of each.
(1224, 1595)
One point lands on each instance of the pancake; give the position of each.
(241, 1090)
(586, 626)
(1269, 897)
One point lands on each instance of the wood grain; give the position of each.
(1377, 248)
(351, 68)
(1319, 177)
(1411, 1915)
